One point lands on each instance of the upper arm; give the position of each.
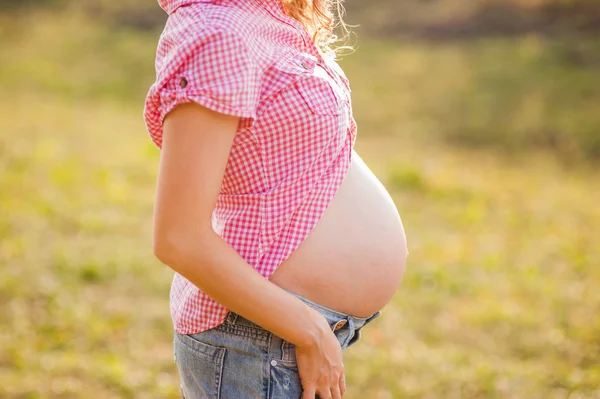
(195, 150)
(206, 81)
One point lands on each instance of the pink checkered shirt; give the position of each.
(294, 141)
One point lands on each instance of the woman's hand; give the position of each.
(320, 364)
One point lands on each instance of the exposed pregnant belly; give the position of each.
(354, 259)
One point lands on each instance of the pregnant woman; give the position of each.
(283, 242)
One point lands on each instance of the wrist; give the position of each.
(314, 329)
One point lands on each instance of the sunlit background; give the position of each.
(482, 118)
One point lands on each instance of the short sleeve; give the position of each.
(211, 67)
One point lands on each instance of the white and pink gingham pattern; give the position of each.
(294, 142)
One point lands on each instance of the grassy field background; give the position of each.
(489, 147)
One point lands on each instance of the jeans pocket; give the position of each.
(284, 381)
(200, 367)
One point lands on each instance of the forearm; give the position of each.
(217, 269)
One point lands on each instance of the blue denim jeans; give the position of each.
(241, 360)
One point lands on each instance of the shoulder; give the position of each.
(226, 28)
(204, 55)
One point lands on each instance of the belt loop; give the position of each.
(231, 317)
(286, 351)
(350, 332)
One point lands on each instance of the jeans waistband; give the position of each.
(332, 312)
(346, 327)
(331, 315)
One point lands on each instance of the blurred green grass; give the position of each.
(508, 94)
(500, 298)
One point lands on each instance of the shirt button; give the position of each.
(183, 83)
(305, 65)
(273, 362)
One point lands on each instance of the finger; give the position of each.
(308, 393)
(335, 392)
(325, 394)
(343, 384)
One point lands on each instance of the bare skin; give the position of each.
(354, 259)
(196, 146)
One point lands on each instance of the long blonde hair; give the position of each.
(319, 19)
